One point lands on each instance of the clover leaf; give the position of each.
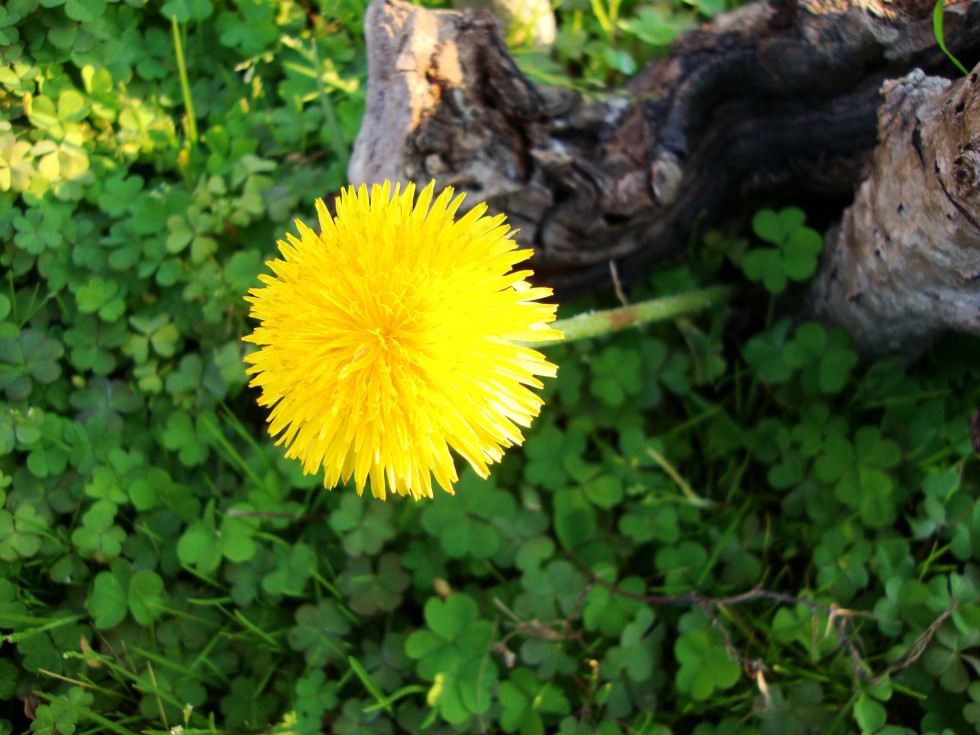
(371, 592)
(527, 703)
(26, 358)
(467, 524)
(705, 664)
(319, 632)
(795, 252)
(453, 653)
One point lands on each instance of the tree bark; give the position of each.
(770, 100)
(904, 264)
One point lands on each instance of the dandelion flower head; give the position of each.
(389, 339)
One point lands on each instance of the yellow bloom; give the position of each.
(388, 339)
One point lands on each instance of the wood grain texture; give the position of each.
(776, 99)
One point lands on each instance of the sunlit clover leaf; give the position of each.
(705, 664)
(16, 163)
(62, 163)
(319, 633)
(44, 116)
(101, 296)
(453, 653)
(526, 702)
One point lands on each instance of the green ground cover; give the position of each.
(726, 524)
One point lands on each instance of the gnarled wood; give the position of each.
(905, 262)
(777, 97)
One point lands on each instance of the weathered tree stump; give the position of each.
(905, 262)
(775, 99)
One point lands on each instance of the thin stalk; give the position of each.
(185, 86)
(597, 323)
(937, 29)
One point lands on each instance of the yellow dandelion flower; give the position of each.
(389, 339)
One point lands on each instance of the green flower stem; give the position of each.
(597, 323)
(185, 86)
(937, 29)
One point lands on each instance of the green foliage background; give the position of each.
(722, 525)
